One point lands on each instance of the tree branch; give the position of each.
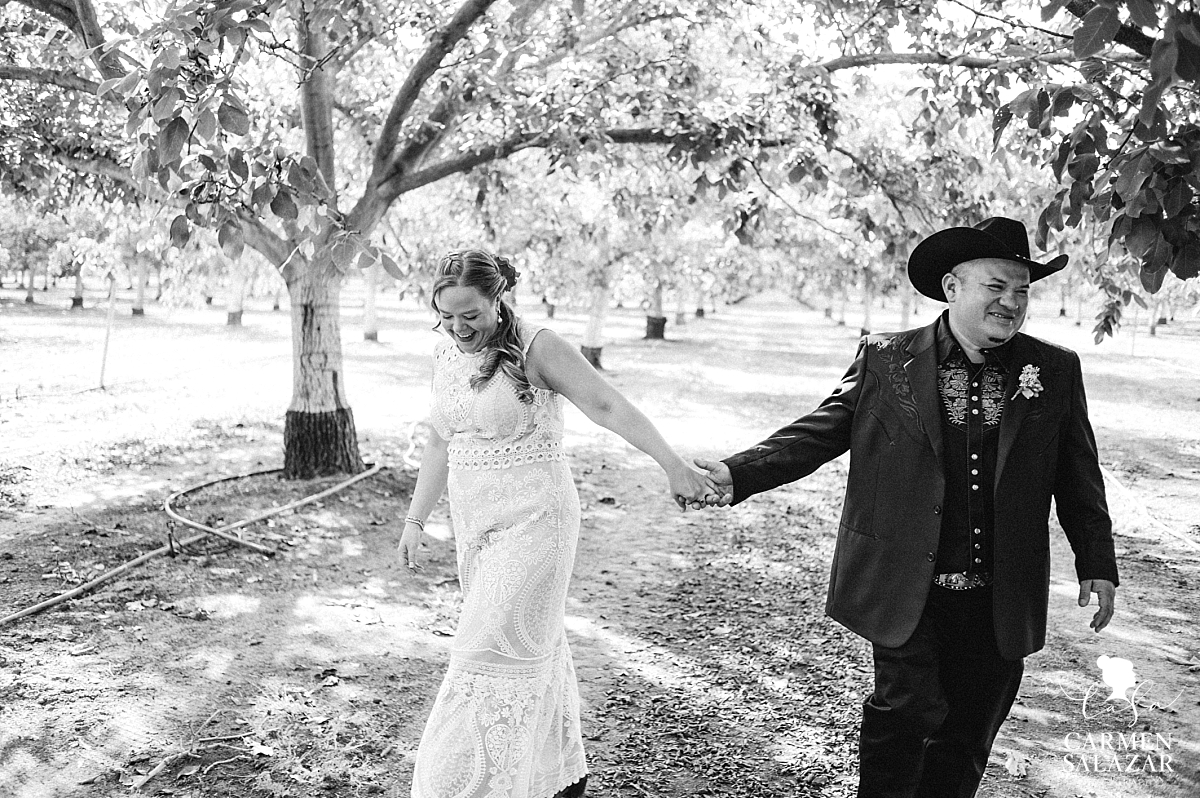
(261, 239)
(50, 77)
(865, 168)
(100, 167)
(442, 43)
(466, 161)
(942, 59)
(62, 10)
(89, 31)
(794, 209)
(315, 100)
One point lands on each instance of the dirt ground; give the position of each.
(706, 664)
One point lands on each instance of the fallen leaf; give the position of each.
(1017, 764)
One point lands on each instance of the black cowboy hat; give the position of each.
(997, 237)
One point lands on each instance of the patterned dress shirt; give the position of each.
(972, 399)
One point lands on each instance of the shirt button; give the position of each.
(937, 509)
(976, 545)
(974, 487)
(978, 560)
(974, 398)
(974, 471)
(931, 556)
(974, 457)
(977, 531)
(974, 385)
(975, 412)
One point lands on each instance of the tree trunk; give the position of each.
(235, 301)
(868, 300)
(593, 333)
(77, 300)
(142, 276)
(907, 299)
(681, 301)
(656, 322)
(370, 317)
(1156, 316)
(318, 436)
(29, 290)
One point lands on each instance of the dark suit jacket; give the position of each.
(887, 413)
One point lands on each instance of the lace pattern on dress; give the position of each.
(506, 720)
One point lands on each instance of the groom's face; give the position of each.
(988, 299)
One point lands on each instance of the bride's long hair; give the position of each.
(490, 275)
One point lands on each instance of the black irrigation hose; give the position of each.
(206, 531)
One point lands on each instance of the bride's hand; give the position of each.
(689, 486)
(410, 543)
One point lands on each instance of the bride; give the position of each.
(505, 723)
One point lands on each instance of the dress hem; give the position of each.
(570, 780)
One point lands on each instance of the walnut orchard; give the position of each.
(1118, 752)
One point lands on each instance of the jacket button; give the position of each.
(937, 509)
(930, 556)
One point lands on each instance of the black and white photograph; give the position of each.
(565, 399)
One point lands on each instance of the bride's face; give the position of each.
(467, 316)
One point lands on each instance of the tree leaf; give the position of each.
(262, 195)
(1187, 261)
(391, 267)
(164, 107)
(206, 125)
(284, 206)
(1000, 121)
(1142, 236)
(1051, 8)
(343, 252)
(231, 239)
(180, 231)
(1143, 13)
(237, 165)
(233, 119)
(1096, 30)
(1152, 280)
(1187, 63)
(171, 140)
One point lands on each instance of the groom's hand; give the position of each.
(1106, 594)
(720, 481)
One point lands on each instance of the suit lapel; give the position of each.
(1024, 353)
(921, 369)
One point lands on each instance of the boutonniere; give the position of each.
(1028, 384)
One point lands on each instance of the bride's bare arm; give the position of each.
(431, 483)
(553, 363)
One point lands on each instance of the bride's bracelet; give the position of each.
(408, 519)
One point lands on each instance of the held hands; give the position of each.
(689, 486)
(719, 480)
(711, 486)
(1106, 593)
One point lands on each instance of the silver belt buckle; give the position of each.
(962, 580)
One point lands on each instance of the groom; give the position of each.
(960, 433)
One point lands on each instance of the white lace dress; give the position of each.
(506, 720)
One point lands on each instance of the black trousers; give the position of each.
(939, 700)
